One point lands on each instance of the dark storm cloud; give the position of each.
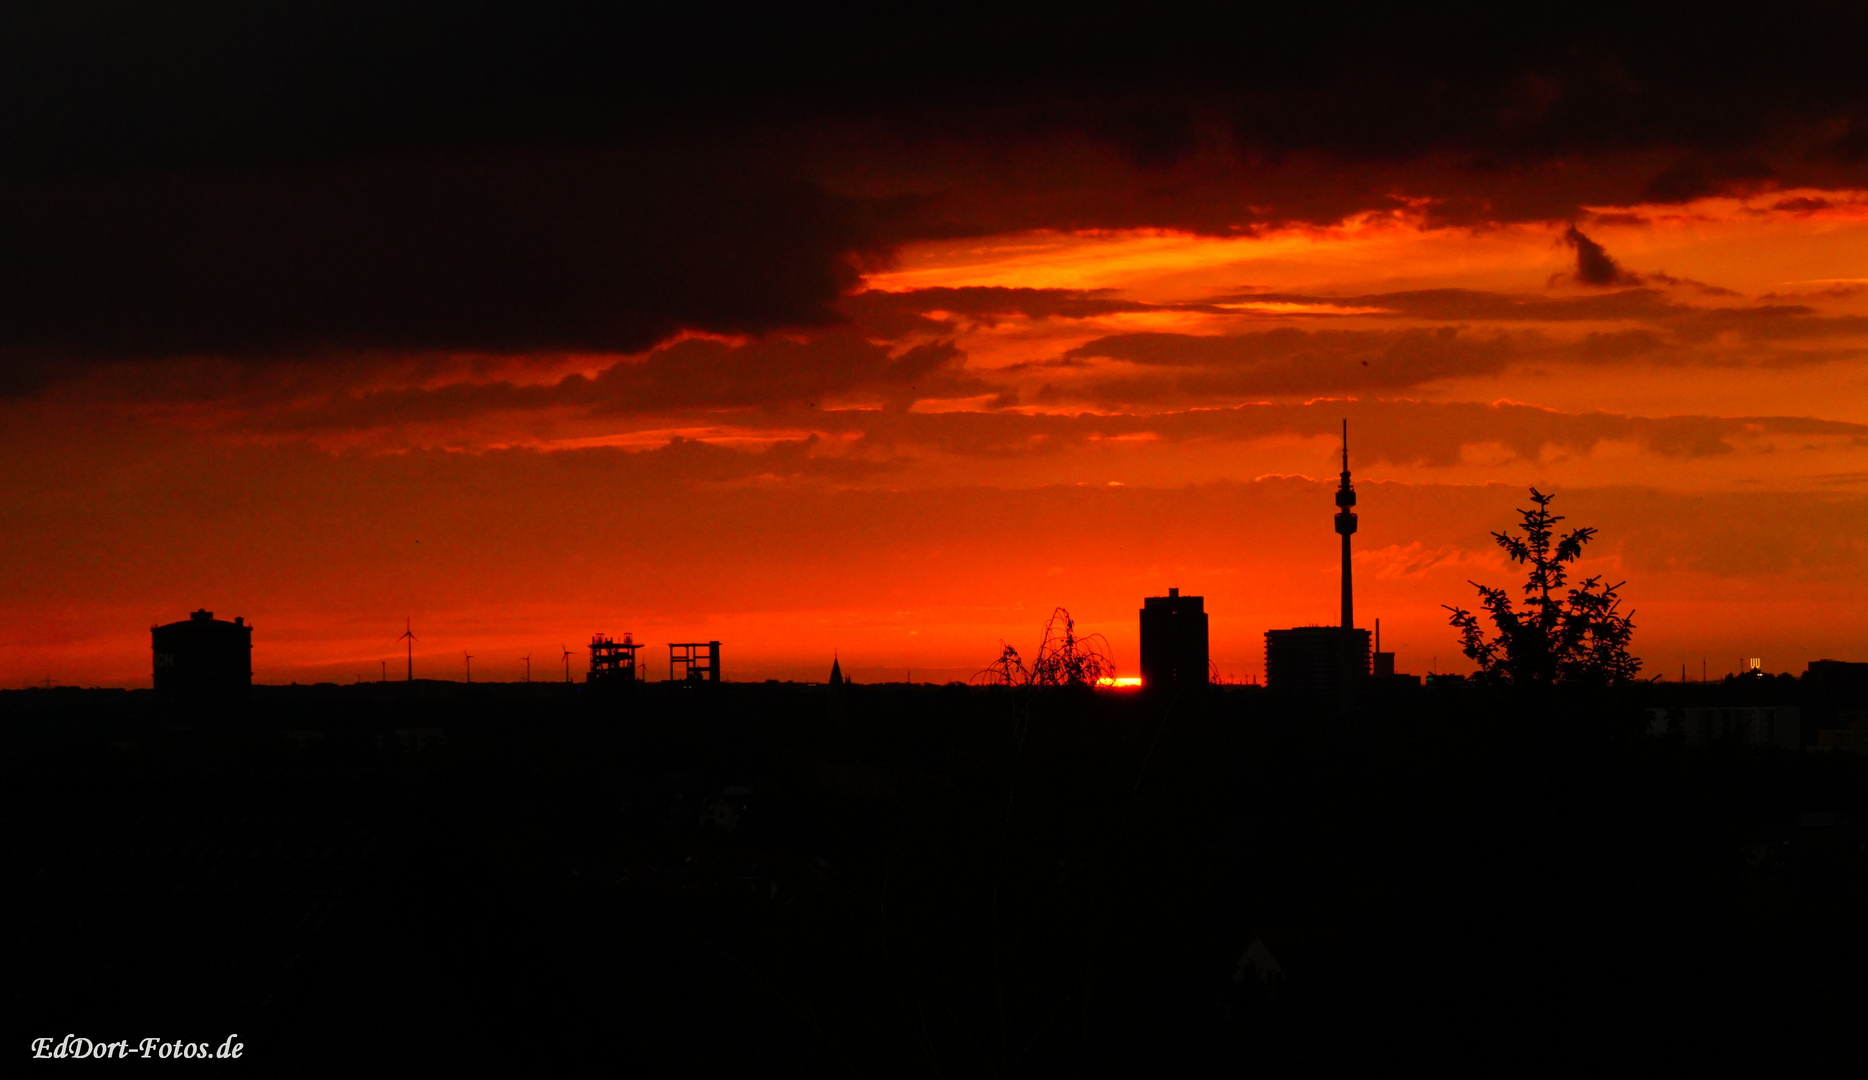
(1593, 265)
(789, 459)
(945, 311)
(100, 86)
(1285, 361)
(768, 380)
(989, 305)
(690, 378)
(547, 252)
(1224, 368)
(273, 180)
(699, 374)
(1463, 304)
(1687, 322)
(1404, 433)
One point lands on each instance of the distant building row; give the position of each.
(1304, 659)
(1319, 661)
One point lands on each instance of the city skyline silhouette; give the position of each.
(1029, 506)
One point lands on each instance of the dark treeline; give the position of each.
(938, 881)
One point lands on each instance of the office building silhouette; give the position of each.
(1316, 659)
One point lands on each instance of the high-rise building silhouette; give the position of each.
(1174, 640)
(1312, 660)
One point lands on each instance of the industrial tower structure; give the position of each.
(612, 661)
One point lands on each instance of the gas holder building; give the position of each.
(202, 657)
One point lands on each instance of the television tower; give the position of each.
(1346, 527)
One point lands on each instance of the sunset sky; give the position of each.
(885, 338)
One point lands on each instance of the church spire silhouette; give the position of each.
(836, 671)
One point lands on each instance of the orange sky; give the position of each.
(1000, 425)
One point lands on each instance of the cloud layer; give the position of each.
(302, 178)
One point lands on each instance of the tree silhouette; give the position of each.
(1008, 670)
(1064, 659)
(1578, 637)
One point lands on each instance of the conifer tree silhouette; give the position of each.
(1578, 637)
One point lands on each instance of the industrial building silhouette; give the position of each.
(698, 661)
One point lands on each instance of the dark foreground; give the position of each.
(901, 881)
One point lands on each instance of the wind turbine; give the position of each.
(528, 668)
(469, 657)
(409, 633)
(567, 662)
